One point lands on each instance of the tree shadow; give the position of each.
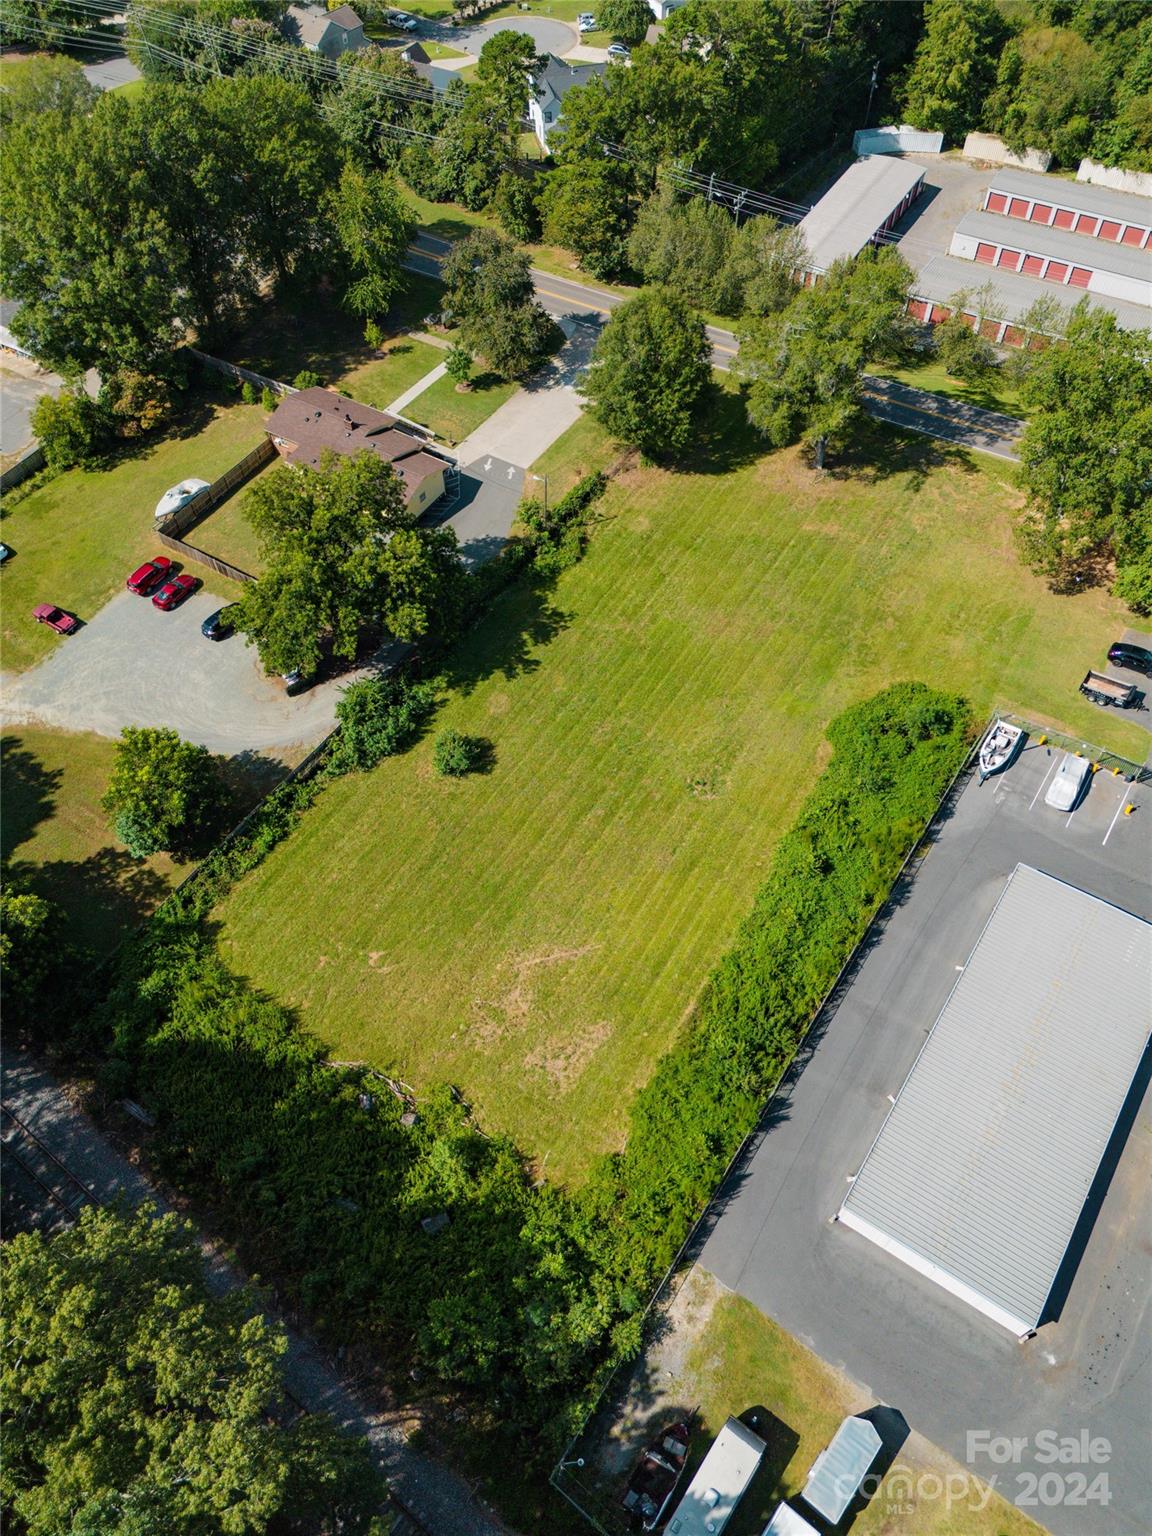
(504, 642)
(877, 451)
(28, 794)
(726, 439)
(104, 896)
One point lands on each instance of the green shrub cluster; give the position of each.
(528, 1290)
(557, 536)
(379, 716)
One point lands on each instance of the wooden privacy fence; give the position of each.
(235, 371)
(202, 557)
(198, 508)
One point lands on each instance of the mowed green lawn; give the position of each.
(537, 934)
(452, 414)
(58, 842)
(80, 536)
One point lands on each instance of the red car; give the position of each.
(55, 618)
(173, 592)
(149, 576)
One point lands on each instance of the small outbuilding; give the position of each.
(841, 1467)
(786, 1521)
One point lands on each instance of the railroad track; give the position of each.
(46, 1189)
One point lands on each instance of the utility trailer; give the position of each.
(1102, 689)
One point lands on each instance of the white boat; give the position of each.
(999, 747)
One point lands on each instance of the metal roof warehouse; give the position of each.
(870, 197)
(981, 1169)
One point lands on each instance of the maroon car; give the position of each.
(173, 592)
(149, 576)
(55, 618)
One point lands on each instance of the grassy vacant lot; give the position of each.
(78, 536)
(537, 934)
(58, 839)
(742, 1361)
(452, 416)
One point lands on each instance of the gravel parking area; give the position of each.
(133, 665)
(950, 1372)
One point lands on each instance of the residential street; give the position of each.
(916, 410)
(442, 1502)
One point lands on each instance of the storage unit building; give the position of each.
(1055, 256)
(865, 202)
(942, 277)
(1124, 218)
(979, 1174)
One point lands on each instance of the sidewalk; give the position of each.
(435, 1496)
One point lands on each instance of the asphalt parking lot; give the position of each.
(951, 1372)
(130, 664)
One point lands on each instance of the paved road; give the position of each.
(916, 410)
(555, 37)
(948, 1370)
(441, 1501)
(115, 70)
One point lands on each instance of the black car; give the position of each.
(1134, 657)
(219, 625)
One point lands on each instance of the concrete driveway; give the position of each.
(107, 74)
(22, 383)
(133, 665)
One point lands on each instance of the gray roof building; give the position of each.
(1056, 244)
(322, 31)
(841, 1467)
(551, 84)
(1080, 196)
(869, 198)
(980, 1171)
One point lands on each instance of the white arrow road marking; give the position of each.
(487, 464)
(511, 470)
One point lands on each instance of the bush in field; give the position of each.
(964, 352)
(456, 755)
(71, 428)
(164, 794)
(307, 378)
(379, 716)
(458, 365)
(558, 535)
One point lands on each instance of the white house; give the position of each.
(328, 32)
(662, 9)
(550, 86)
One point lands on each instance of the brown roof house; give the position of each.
(322, 31)
(307, 423)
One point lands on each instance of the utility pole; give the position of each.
(871, 93)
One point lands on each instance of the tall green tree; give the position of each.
(375, 90)
(584, 206)
(954, 67)
(47, 82)
(804, 366)
(341, 553)
(626, 21)
(374, 226)
(164, 794)
(1086, 452)
(1052, 90)
(135, 1403)
(649, 372)
(488, 289)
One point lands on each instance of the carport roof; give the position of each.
(980, 1171)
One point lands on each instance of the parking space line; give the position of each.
(1044, 781)
(1116, 818)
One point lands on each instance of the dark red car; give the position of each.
(173, 592)
(55, 618)
(149, 576)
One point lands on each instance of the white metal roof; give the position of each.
(1083, 196)
(858, 205)
(841, 1467)
(711, 1497)
(1057, 244)
(786, 1522)
(943, 276)
(980, 1171)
